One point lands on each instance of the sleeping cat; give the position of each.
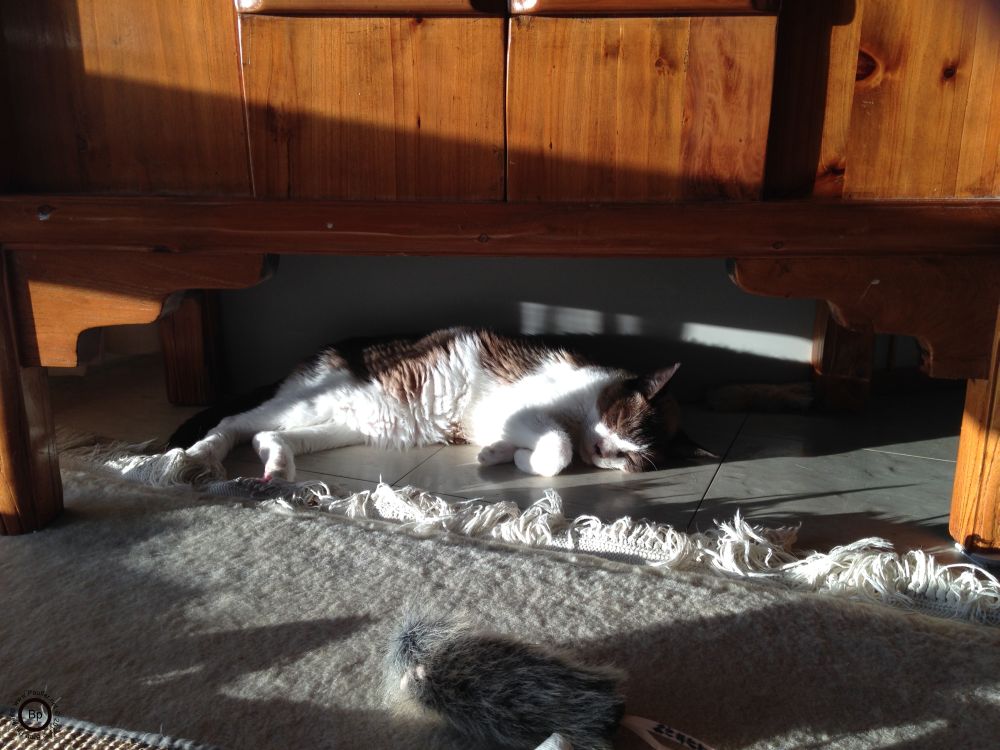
(522, 401)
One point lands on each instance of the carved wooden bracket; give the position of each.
(60, 292)
(947, 303)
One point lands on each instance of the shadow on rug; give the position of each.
(243, 625)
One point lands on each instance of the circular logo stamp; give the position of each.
(35, 712)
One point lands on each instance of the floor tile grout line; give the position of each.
(407, 473)
(911, 455)
(722, 460)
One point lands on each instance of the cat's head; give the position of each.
(634, 426)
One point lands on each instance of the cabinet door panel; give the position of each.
(120, 95)
(926, 107)
(638, 109)
(375, 108)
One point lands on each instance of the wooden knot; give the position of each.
(867, 65)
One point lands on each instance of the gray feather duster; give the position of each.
(497, 691)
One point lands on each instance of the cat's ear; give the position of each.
(653, 384)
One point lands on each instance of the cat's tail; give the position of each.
(764, 397)
(197, 427)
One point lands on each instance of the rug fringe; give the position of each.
(137, 462)
(868, 569)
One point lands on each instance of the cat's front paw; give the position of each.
(500, 452)
(279, 466)
(552, 454)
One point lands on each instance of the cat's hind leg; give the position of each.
(277, 448)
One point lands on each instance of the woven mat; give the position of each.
(71, 734)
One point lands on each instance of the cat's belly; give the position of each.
(437, 414)
(483, 422)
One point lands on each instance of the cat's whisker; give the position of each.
(650, 461)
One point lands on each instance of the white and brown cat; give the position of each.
(522, 401)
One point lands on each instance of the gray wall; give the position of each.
(651, 312)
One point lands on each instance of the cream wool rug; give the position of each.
(260, 625)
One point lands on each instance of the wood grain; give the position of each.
(30, 488)
(721, 229)
(641, 7)
(926, 113)
(727, 104)
(376, 108)
(948, 304)
(632, 109)
(372, 7)
(124, 95)
(841, 79)
(58, 293)
(975, 507)
(815, 66)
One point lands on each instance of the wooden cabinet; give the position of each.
(395, 100)
(539, 111)
(609, 109)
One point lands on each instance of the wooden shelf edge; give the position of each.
(642, 7)
(722, 230)
(504, 7)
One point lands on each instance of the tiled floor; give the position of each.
(887, 472)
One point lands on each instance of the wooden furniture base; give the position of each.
(842, 361)
(192, 354)
(975, 504)
(950, 305)
(947, 303)
(30, 487)
(47, 297)
(929, 269)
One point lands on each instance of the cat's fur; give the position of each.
(524, 402)
(496, 691)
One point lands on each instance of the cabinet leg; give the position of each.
(191, 351)
(30, 486)
(842, 362)
(975, 502)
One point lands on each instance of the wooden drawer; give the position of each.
(638, 109)
(389, 108)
